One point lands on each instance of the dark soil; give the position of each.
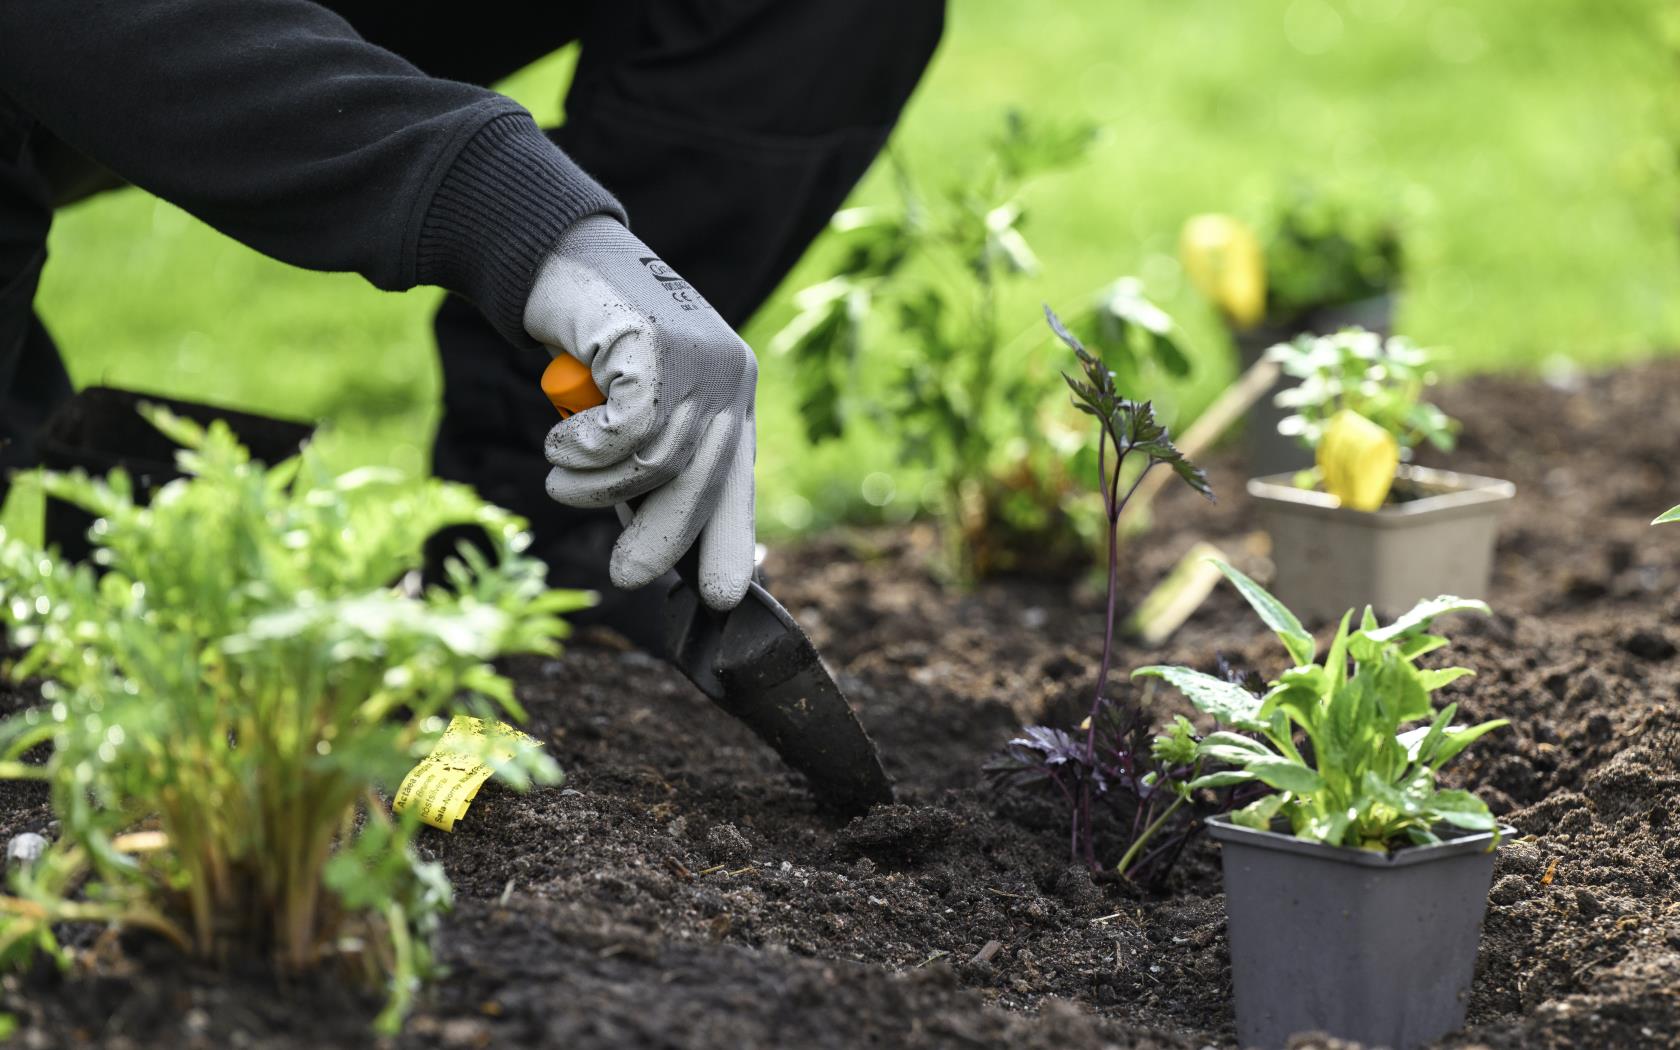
(681, 891)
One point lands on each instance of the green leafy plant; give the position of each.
(907, 332)
(1116, 764)
(1356, 778)
(1323, 250)
(1672, 515)
(1358, 404)
(1383, 380)
(225, 704)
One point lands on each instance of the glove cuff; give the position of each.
(506, 201)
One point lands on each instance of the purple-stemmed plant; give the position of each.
(1118, 760)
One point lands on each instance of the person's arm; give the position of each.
(275, 122)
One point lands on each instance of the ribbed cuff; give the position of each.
(498, 213)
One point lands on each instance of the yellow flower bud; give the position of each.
(1357, 460)
(1223, 259)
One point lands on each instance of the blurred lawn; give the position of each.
(1523, 142)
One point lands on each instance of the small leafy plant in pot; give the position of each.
(1111, 764)
(1366, 526)
(1321, 262)
(230, 704)
(1355, 892)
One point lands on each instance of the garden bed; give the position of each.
(679, 890)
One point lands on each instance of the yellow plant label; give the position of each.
(446, 781)
(1225, 261)
(1357, 460)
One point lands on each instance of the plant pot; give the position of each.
(1331, 559)
(1268, 451)
(101, 428)
(1374, 947)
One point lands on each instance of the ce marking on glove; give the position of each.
(682, 293)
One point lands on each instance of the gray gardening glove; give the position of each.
(678, 425)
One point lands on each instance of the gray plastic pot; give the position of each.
(1268, 451)
(1374, 947)
(1331, 559)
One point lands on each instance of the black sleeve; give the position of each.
(273, 121)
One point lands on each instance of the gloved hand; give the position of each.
(678, 425)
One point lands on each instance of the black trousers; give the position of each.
(730, 130)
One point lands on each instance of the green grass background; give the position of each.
(1527, 143)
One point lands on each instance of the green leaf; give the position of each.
(1336, 657)
(1669, 516)
(1285, 774)
(1152, 440)
(1461, 809)
(1226, 701)
(1381, 791)
(1420, 645)
(1035, 144)
(1226, 738)
(1223, 778)
(1463, 738)
(1273, 613)
(1432, 680)
(1232, 749)
(1176, 746)
(1420, 743)
(1424, 613)
(825, 339)
(1259, 814)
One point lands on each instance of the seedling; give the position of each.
(908, 334)
(1358, 780)
(255, 667)
(1359, 405)
(1117, 762)
(1671, 515)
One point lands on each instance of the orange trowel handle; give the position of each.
(570, 387)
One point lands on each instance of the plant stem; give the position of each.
(1148, 833)
(1114, 505)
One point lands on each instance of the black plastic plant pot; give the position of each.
(101, 428)
(1331, 559)
(1268, 451)
(1374, 947)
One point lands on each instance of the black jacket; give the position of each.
(275, 122)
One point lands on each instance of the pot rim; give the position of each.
(1224, 829)
(1458, 495)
